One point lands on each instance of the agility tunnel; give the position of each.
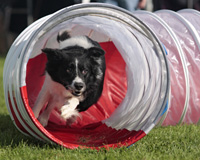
(152, 63)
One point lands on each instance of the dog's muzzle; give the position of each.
(77, 88)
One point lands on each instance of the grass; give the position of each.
(171, 142)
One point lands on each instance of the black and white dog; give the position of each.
(74, 78)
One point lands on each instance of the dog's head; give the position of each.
(78, 62)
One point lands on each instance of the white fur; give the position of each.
(100, 74)
(69, 109)
(77, 79)
(81, 41)
(55, 95)
(76, 63)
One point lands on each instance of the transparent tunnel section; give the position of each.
(179, 33)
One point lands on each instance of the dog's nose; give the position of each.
(78, 85)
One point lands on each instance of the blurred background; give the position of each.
(16, 15)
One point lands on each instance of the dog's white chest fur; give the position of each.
(69, 109)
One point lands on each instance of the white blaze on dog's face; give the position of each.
(78, 85)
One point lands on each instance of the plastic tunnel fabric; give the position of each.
(138, 85)
(177, 64)
(179, 32)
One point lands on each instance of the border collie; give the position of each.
(74, 78)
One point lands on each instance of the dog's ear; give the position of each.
(96, 52)
(52, 54)
(62, 36)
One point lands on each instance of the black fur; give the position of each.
(65, 35)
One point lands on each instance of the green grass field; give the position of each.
(171, 142)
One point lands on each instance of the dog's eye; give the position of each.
(68, 70)
(84, 71)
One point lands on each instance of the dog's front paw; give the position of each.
(43, 121)
(35, 112)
